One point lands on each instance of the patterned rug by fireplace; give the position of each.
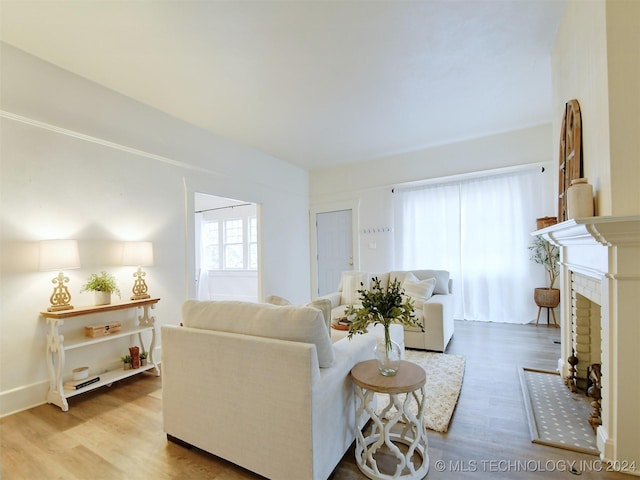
(557, 417)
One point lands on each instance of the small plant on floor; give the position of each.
(143, 358)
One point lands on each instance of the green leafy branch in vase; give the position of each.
(382, 306)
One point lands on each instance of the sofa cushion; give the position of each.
(324, 305)
(276, 300)
(441, 276)
(351, 283)
(297, 324)
(419, 290)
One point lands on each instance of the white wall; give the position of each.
(580, 72)
(80, 161)
(368, 185)
(596, 60)
(623, 60)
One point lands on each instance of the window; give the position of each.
(253, 243)
(479, 230)
(233, 244)
(211, 244)
(230, 244)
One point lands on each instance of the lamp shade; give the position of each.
(59, 255)
(137, 254)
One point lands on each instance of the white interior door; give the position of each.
(334, 248)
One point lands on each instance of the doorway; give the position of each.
(226, 248)
(334, 246)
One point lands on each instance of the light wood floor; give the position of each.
(116, 433)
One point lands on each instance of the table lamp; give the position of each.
(138, 254)
(59, 255)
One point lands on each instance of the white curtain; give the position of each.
(203, 289)
(479, 230)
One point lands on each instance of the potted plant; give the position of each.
(548, 255)
(143, 358)
(126, 361)
(383, 306)
(103, 285)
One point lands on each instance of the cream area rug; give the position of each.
(442, 388)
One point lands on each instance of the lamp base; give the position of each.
(60, 297)
(140, 297)
(139, 289)
(58, 308)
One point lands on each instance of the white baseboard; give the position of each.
(23, 398)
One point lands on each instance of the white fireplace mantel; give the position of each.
(607, 231)
(608, 249)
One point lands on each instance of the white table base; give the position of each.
(412, 434)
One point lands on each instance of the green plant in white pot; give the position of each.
(103, 286)
(126, 362)
(547, 255)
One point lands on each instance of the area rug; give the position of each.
(557, 417)
(442, 388)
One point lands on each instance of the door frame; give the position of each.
(190, 240)
(354, 206)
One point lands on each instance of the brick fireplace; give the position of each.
(600, 322)
(585, 324)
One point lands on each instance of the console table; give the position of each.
(410, 381)
(57, 345)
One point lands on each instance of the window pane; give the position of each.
(210, 232)
(211, 251)
(233, 256)
(212, 257)
(253, 256)
(233, 231)
(253, 230)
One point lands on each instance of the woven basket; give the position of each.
(547, 297)
(545, 222)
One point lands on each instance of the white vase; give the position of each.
(387, 357)
(102, 298)
(579, 199)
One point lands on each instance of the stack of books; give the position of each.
(341, 323)
(78, 384)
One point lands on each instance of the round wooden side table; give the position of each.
(410, 431)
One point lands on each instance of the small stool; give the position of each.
(553, 313)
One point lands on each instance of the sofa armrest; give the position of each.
(437, 315)
(217, 386)
(334, 403)
(334, 297)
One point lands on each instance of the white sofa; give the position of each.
(261, 386)
(435, 311)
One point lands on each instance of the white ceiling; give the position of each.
(315, 83)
